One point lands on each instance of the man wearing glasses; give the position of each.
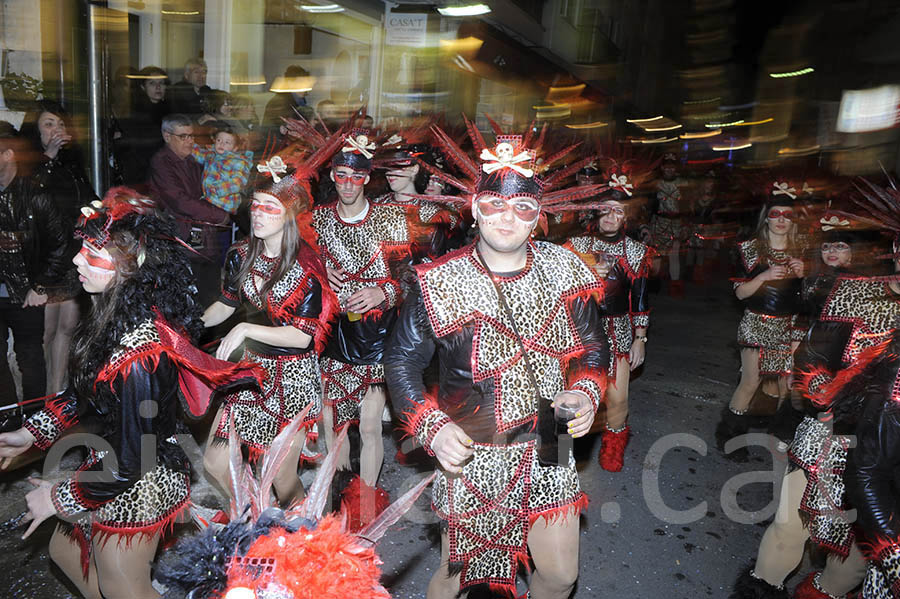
(176, 183)
(361, 243)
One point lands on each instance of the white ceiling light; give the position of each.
(322, 8)
(466, 10)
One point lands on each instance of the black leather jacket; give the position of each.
(468, 403)
(33, 239)
(64, 180)
(872, 474)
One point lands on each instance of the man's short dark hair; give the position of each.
(296, 70)
(9, 137)
(172, 121)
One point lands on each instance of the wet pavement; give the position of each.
(680, 521)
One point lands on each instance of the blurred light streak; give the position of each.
(292, 84)
(701, 135)
(708, 161)
(720, 125)
(466, 44)
(322, 8)
(145, 76)
(639, 121)
(594, 125)
(463, 63)
(263, 82)
(798, 73)
(185, 13)
(729, 148)
(709, 101)
(659, 140)
(751, 123)
(467, 10)
(799, 151)
(568, 89)
(552, 112)
(672, 128)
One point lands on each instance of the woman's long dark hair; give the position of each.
(30, 129)
(290, 245)
(153, 274)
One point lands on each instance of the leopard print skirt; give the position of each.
(621, 336)
(149, 507)
(344, 387)
(491, 506)
(772, 335)
(823, 457)
(292, 383)
(666, 231)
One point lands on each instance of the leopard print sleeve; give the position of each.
(58, 415)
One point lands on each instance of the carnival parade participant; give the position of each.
(858, 315)
(872, 470)
(667, 225)
(131, 363)
(361, 242)
(281, 282)
(623, 264)
(769, 285)
(407, 180)
(516, 332)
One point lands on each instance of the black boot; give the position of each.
(747, 586)
(785, 422)
(732, 425)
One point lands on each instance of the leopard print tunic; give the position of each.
(344, 387)
(635, 257)
(503, 489)
(292, 381)
(364, 249)
(491, 506)
(882, 579)
(823, 457)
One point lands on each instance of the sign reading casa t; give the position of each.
(405, 29)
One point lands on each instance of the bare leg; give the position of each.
(443, 586)
(58, 350)
(554, 549)
(781, 548)
(124, 569)
(372, 450)
(66, 554)
(842, 576)
(617, 396)
(343, 461)
(215, 459)
(288, 487)
(740, 400)
(674, 261)
(51, 322)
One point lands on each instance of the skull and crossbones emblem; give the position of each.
(504, 156)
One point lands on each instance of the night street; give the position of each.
(635, 542)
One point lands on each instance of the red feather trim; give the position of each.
(549, 160)
(557, 177)
(875, 548)
(411, 419)
(467, 187)
(454, 153)
(498, 130)
(475, 135)
(562, 512)
(829, 391)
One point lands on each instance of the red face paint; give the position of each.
(524, 210)
(775, 214)
(357, 178)
(268, 209)
(96, 261)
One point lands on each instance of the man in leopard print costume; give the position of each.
(362, 242)
(516, 331)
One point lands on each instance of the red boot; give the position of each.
(362, 503)
(810, 589)
(612, 448)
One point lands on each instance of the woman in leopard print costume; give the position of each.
(132, 363)
(769, 285)
(282, 284)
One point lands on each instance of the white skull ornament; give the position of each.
(504, 152)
